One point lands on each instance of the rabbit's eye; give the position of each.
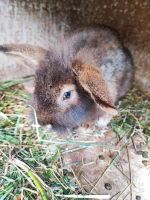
(67, 95)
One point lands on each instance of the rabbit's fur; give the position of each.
(92, 64)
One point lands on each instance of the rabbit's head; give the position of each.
(67, 94)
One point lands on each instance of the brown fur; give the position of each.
(95, 62)
(87, 74)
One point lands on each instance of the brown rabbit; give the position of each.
(80, 80)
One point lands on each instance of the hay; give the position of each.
(42, 151)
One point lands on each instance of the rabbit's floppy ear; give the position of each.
(28, 54)
(91, 80)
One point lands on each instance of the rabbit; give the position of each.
(79, 81)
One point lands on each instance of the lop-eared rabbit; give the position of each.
(79, 81)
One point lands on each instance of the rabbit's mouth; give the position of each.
(74, 117)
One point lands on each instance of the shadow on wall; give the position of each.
(40, 22)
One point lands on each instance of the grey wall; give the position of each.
(24, 22)
(42, 21)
